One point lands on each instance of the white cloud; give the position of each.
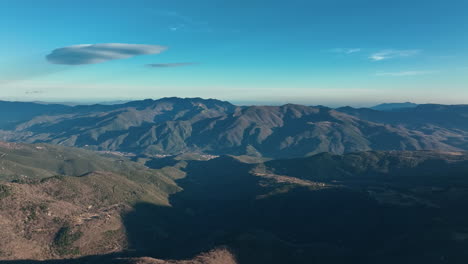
(405, 73)
(390, 54)
(98, 53)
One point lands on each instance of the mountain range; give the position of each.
(172, 126)
(192, 181)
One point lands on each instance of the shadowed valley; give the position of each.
(361, 207)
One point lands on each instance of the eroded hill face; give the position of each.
(58, 202)
(172, 126)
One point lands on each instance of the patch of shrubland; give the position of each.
(64, 239)
(5, 191)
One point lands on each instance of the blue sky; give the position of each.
(313, 52)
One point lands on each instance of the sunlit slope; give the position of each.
(172, 126)
(57, 201)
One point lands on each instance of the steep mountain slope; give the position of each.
(134, 125)
(172, 126)
(447, 123)
(57, 201)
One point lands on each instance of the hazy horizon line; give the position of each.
(116, 101)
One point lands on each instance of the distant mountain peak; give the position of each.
(393, 106)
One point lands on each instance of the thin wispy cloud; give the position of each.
(175, 15)
(169, 65)
(180, 22)
(390, 54)
(346, 51)
(98, 53)
(34, 92)
(405, 73)
(176, 28)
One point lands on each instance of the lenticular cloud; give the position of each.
(98, 53)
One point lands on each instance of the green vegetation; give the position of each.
(32, 210)
(25, 181)
(5, 191)
(64, 240)
(114, 179)
(56, 177)
(183, 126)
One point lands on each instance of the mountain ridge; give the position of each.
(393, 106)
(171, 126)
